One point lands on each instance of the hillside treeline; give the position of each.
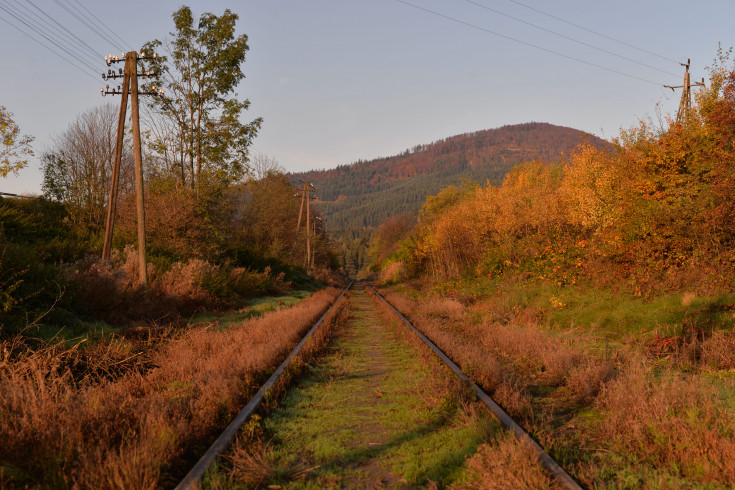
(657, 210)
(361, 195)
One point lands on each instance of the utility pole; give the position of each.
(313, 252)
(308, 243)
(298, 223)
(686, 94)
(130, 85)
(308, 197)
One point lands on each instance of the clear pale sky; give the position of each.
(341, 80)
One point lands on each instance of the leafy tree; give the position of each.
(200, 68)
(14, 148)
(385, 240)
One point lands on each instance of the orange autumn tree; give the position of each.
(659, 206)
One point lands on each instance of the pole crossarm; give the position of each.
(685, 105)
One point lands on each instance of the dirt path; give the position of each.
(368, 416)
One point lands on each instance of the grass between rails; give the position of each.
(139, 427)
(373, 412)
(646, 411)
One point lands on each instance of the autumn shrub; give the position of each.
(653, 211)
(178, 224)
(392, 273)
(111, 289)
(136, 429)
(718, 351)
(385, 241)
(187, 279)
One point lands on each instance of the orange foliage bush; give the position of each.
(655, 210)
(177, 223)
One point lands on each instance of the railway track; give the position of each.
(194, 477)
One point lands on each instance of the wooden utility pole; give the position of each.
(139, 200)
(130, 85)
(298, 223)
(685, 104)
(308, 221)
(305, 196)
(112, 203)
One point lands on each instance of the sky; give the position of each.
(337, 81)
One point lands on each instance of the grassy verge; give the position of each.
(253, 308)
(615, 313)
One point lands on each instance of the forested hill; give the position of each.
(361, 195)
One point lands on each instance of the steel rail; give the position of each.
(195, 475)
(500, 415)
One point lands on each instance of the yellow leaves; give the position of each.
(556, 303)
(13, 147)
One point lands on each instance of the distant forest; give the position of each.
(356, 198)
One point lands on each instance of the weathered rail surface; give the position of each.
(195, 475)
(561, 476)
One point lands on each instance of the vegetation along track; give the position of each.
(354, 418)
(194, 476)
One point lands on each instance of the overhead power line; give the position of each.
(124, 42)
(480, 28)
(69, 53)
(93, 52)
(593, 32)
(62, 55)
(88, 25)
(569, 37)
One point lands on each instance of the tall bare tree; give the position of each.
(262, 165)
(78, 167)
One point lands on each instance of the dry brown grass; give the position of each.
(444, 308)
(718, 352)
(136, 429)
(467, 352)
(254, 464)
(668, 420)
(505, 463)
(546, 358)
(109, 290)
(658, 421)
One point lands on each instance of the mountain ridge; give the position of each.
(359, 196)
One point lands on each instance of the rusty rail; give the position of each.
(500, 415)
(195, 475)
